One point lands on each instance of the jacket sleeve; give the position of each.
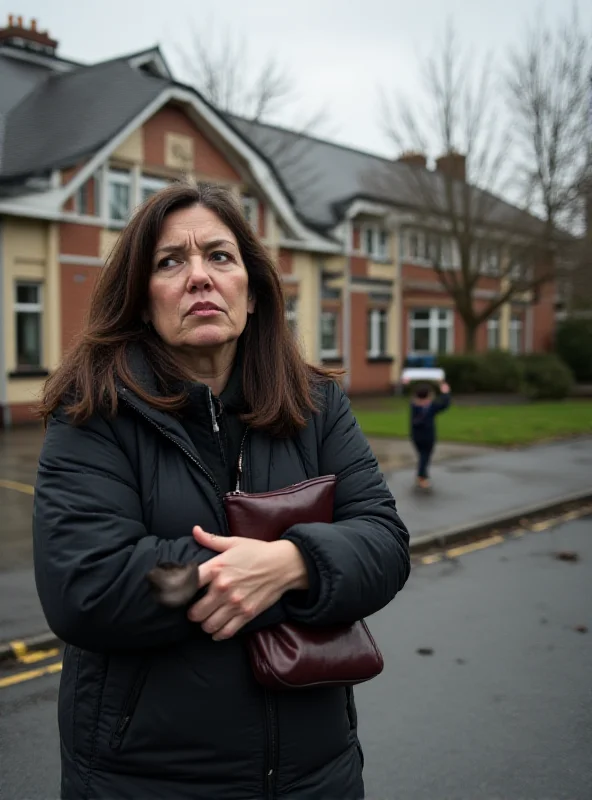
(442, 403)
(92, 551)
(362, 558)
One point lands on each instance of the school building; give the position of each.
(82, 145)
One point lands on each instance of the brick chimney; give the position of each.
(18, 35)
(414, 159)
(454, 165)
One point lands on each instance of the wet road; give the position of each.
(500, 710)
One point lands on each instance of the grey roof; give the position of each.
(51, 118)
(323, 176)
(77, 113)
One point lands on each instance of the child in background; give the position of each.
(424, 407)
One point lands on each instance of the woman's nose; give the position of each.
(198, 276)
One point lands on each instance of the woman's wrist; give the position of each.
(293, 566)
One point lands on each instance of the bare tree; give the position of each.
(223, 71)
(458, 203)
(221, 68)
(549, 89)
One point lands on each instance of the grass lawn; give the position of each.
(492, 425)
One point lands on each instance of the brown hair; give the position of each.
(278, 384)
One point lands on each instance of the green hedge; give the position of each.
(573, 343)
(536, 376)
(545, 377)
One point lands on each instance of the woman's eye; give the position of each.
(220, 257)
(168, 262)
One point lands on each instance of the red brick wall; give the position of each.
(285, 262)
(79, 240)
(544, 319)
(366, 377)
(76, 286)
(359, 266)
(23, 413)
(208, 160)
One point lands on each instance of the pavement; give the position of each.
(473, 487)
(486, 692)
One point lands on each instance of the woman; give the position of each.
(186, 362)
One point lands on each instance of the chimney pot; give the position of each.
(453, 164)
(33, 24)
(10, 20)
(414, 159)
(19, 21)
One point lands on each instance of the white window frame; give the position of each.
(122, 179)
(251, 210)
(153, 184)
(378, 317)
(433, 323)
(28, 308)
(332, 352)
(516, 341)
(493, 332)
(379, 238)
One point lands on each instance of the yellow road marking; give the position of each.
(19, 648)
(542, 526)
(38, 655)
(25, 488)
(468, 548)
(21, 677)
(433, 559)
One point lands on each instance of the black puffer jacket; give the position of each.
(150, 706)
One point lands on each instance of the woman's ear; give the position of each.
(251, 303)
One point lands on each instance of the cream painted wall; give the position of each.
(27, 247)
(132, 149)
(504, 320)
(25, 253)
(107, 242)
(307, 272)
(383, 272)
(396, 308)
(24, 390)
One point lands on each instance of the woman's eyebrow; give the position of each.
(210, 245)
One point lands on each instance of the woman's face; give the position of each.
(198, 294)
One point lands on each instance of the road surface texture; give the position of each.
(498, 708)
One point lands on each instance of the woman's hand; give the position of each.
(246, 578)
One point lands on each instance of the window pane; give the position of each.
(369, 337)
(27, 293)
(420, 314)
(329, 331)
(413, 245)
(28, 339)
(420, 340)
(442, 340)
(383, 243)
(82, 199)
(119, 201)
(382, 333)
(443, 315)
(369, 240)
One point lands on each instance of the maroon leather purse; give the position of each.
(289, 655)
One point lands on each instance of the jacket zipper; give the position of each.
(191, 457)
(128, 709)
(270, 716)
(271, 755)
(216, 424)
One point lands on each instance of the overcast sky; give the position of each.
(339, 52)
